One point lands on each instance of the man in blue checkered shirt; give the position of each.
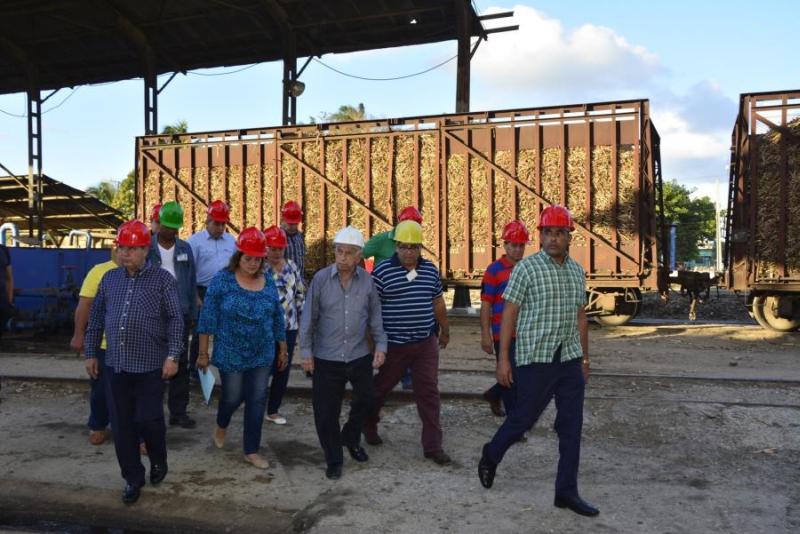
(137, 307)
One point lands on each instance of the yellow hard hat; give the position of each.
(408, 232)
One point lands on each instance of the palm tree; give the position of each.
(345, 113)
(105, 191)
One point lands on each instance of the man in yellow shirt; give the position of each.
(98, 408)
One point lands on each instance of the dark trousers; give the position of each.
(98, 407)
(422, 357)
(280, 379)
(328, 385)
(136, 407)
(498, 392)
(178, 396)
(537, 383)
(195, 346)
(248, 386)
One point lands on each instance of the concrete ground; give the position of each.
(670, 444)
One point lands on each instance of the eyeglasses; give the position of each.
(408, 248)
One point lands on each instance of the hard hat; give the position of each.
(171, 215)
(349, 236)
(154, 212)
(556, 216)
(276, 237)
(219, 211)
(516, 232)
(252, 242)
(408, 232)
(410, 213)
(292, 213)
(133, 234)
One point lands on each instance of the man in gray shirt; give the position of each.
(341, 306)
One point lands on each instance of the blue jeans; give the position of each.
(498, 392)
(280, 378)
(98, 406)
(248, 386)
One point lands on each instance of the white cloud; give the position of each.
(680, 140)
(543, 55)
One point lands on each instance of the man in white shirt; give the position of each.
(176, 257)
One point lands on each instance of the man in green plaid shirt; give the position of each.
(544, 302)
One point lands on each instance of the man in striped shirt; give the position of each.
(415, 321)
(495, 279)
(291, 217)
(547, 292)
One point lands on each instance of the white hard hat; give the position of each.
(349, 236)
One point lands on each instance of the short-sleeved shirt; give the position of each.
(494, 282)
(92, 282)
(380, 246)
(291, 292)
(549, 295)
(211, 255)
(245, 324)
(407, 301)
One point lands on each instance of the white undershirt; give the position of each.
(168, 259)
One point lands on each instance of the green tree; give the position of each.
(694, 218)
(125, 201)
(345, 113)
(104, 191)
(180, 127)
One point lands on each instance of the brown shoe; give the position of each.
(438, 457)
(97, 437)
(494, 404)
(257, 460)
(372, 437)
(219, 437)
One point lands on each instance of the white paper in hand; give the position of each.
(207, 381)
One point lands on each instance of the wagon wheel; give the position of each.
(765, 310)
(622, 316)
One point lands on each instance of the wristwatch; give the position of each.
(173, 358)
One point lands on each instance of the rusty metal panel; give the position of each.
(763, 219)
(469, 174)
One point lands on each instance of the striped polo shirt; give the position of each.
(407, 301)
(494, 282)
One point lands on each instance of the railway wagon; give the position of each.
(469, 174)
(762, 251)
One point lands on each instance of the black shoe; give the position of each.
(183, 421)
(486, 469)
(334, 472)
(373, 438)
(577, 505)
(494, 404)
(439, 457)
(358, 453)
(157, 473)
(131, 493)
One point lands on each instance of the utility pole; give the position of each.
(717, 232)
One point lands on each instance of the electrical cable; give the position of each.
(221, 73)
(25, 115)
(370, 79)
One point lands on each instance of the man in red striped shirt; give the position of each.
(515, 237)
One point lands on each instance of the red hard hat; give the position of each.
(292, 213)
(252, 242)
(154, 213)
(276, 237)
(410, 213)
(556, 216)
(516, 232)
(133, 234)
(219, 211)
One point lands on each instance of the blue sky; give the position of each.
(691, 59)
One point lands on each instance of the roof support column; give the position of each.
(289, 78)
(462, 9)
(150, 102)
(35, 186)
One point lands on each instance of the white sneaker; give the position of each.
(278, 419)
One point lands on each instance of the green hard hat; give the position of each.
(171, 215)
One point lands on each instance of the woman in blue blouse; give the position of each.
(292, 295)
(242, 312)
